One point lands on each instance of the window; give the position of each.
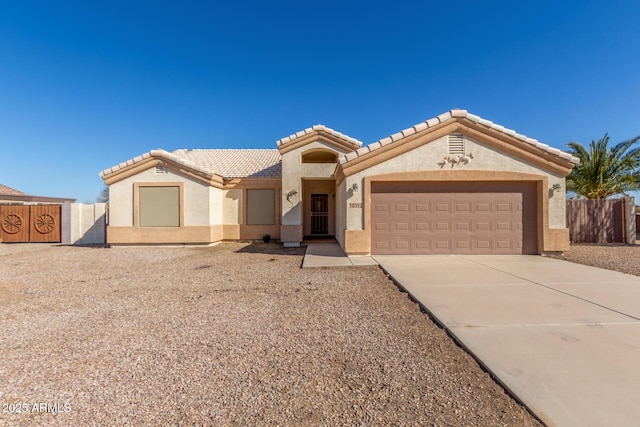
(261, 207)
(319, 156)
(456, 144)
(159, 206)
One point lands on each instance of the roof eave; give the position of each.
(460, 121)
(160, 158)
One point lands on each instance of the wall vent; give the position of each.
(456, 144)
(159, 170)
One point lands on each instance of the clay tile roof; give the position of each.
(316, 128)
(8, 191)
(236, 163)
(226, 163)
(452, 115)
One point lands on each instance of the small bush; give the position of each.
(266, 238)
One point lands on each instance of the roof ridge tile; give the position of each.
(458, 113)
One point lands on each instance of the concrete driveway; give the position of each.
(563, 337)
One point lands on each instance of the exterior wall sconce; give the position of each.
(354, 187)
(556, 187)
(290, 194)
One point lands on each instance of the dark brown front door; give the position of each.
(319, 214)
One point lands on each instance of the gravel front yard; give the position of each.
(622, 258)
(235, 334)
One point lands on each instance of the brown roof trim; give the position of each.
(152, 161)
(253, 183)
(518, 146)
(318, 132)
(458, 115)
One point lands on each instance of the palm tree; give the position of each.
(604, 171)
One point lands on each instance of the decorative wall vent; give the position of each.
(457, 154)
(456, 144)
(159, 170)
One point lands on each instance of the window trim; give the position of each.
(136, 201)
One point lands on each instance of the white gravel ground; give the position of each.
(231, 335)
(622, 258)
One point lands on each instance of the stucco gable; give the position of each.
(322, 133)
(155, 158)
(459, 121)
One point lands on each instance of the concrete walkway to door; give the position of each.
(563, 337)
(330, 254)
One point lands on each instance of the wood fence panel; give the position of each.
(596, 220)
(45, 224)
(14, 223)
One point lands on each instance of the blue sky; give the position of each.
(87, 85)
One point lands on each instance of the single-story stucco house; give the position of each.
(456, 183)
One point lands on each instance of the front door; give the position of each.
(319, 214)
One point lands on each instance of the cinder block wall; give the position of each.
(84, 224)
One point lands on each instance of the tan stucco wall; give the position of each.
(197, 198)
(232, 206)
(201, 211)
(426, 158)
(293, 173)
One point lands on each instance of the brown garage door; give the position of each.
(453, 218)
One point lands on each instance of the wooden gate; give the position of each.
(597, 220)
(33, 223)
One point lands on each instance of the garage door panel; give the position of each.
(379, 207)
(481, 207)
(504, 246)
(424, 208)
(503, 225)
(452, 219)
(420, 244)
(441, 226)
(381, 226)
(482, 245)
(462, 208)
(441, 246)
(401, 226)
(463, 245)
(480, 225)
(462, 225)
(420, 226)
(442, 207)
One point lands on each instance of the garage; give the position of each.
(454, 218)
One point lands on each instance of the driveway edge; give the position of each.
(462, 345)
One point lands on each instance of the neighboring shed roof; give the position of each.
(8, 191)
(236, 163)
(453, 115)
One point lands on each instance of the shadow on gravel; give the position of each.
(271, 249)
